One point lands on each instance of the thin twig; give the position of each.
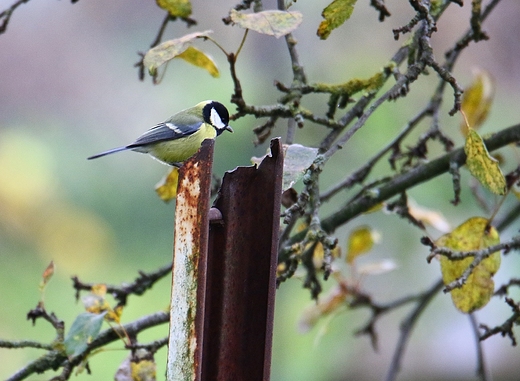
(482, 371)
(25, 344)
(139, 286)
(406, 330)
(401, 182)
(6, 14)
(56, 358)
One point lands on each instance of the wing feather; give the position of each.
(164, 132)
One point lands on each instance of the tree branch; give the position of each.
(56, 359)
(505, 329)
(6, 14)
(406, 330)
(405, 181)
(139, 286)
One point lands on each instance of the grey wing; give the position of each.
(164, 132)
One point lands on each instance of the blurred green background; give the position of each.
(68, 89)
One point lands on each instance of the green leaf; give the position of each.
(198, 58)
(176, 8)
(474, 234)
(170, 49)
(84, 329)
(482, 165)
(272, 23)
(335, 14)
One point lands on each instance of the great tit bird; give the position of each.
(178, 138)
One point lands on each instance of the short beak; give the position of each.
(228, 128)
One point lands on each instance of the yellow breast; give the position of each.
(179, 150)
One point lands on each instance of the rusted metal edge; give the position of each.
(189, 266)
(241, 273)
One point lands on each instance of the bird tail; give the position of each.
(110, 151)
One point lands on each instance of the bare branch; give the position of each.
(406, 329)
(5, 16)
(505, 329)
(405, 181)
(139, 286)
(482, 372)
(56, 359)
(24, 344)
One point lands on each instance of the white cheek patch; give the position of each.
(215, 119)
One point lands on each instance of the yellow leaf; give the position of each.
(482, 165)
(335, 14)
(359, 242)
(176, 8)
(167, 187)
(272, 23)
(143, 370)
(198, 58)
(114, 314)
(168, 50)
(318, 254)
(99, 289)
(95, 301)
(474, 234)
(477, 99)
(95, 304)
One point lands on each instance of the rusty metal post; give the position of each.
(241, 273)
(189, 267)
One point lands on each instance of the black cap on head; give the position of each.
(216, 114)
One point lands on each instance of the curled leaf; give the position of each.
(474, 234)
(477, 99)
(47, 276)
(335, 14)
(272, 23)
(170, 49)
(482, 165)
(176, 8)
(167, 188)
